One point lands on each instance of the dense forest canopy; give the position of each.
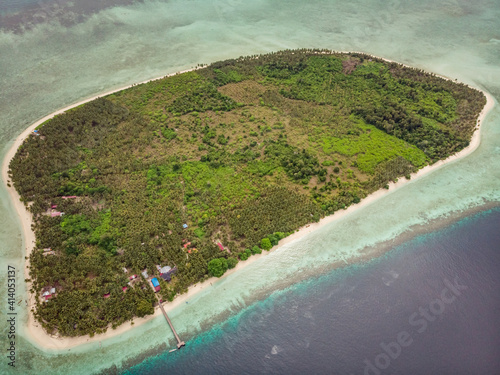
(199, 170)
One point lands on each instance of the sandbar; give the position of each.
(42, 339)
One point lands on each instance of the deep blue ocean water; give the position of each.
(340, 323)
(57, 52)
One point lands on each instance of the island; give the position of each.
(140, 194)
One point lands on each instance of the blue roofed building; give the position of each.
(156, 284)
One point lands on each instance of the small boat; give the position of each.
(173, 350)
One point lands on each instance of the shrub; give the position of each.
(231, 262)
(266, 244)
(256, 250)
(198, 232)
(222, 140)
(217, 267)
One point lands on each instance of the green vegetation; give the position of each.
(218, 266)
(266, 244)
(371, 146)
(241, 153)
(231, 262)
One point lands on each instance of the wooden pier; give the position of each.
(179, 342)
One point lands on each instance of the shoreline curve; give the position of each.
(33, 329)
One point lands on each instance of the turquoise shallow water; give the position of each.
(332, 324)
(52, 66)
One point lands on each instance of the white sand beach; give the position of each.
(40, 337)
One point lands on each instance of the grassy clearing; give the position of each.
(372, 147)
(238, 153)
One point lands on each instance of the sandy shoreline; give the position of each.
(38, 336)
